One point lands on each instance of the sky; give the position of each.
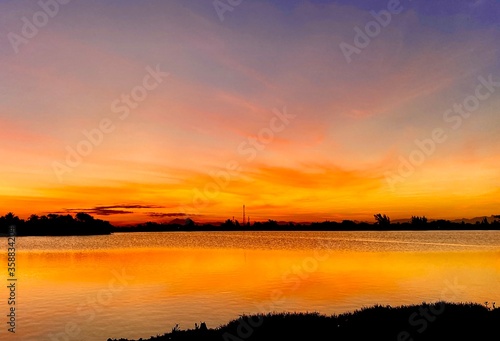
(300, 110)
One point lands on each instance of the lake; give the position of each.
(134, 285)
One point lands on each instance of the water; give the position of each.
(142, 284)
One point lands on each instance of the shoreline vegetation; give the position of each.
(426, 321)
(85, 224)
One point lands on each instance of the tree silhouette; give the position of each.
(382, 220)
(10, 219)
(416, 220)
(189, 223)
(33, 218)
(84, 217)
(271, 223)
(228, 224)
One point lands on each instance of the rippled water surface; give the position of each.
(142, 284)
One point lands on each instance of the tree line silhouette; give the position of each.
(85, 224)
(55, 225)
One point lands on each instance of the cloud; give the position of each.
(165, 215)
(110, 210)
(98, 211)
(129, 206)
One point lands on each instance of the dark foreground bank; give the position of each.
(437, 321)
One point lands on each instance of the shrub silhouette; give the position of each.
(460, 321)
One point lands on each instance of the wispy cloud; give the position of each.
(168, 215)
(111, 210)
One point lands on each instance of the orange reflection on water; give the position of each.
(254, 273)
(144, 291)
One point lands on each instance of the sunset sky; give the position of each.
(154, 110)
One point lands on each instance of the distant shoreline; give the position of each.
(180, 229)
(83, 224)
(345, 226)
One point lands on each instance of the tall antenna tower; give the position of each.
(243, 214)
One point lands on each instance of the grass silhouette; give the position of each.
(434, 321)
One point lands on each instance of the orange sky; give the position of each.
(264, 99)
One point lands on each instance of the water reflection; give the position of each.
(143, 284)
